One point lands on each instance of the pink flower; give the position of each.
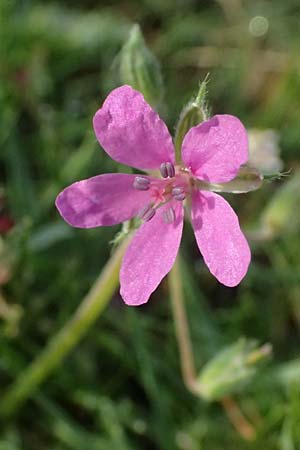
(133, 134)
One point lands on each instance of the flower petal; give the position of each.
(219, 238)
(131, 132)
(215, 149)
(102, 200)
(150, 256)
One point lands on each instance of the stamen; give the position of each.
(146, 213)
(167, 170)
(169, 215)
(178, 193)
(141, 183)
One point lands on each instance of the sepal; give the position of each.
(195, 112)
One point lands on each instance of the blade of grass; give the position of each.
(66, 339)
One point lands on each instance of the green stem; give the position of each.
(66, 339)
(182, 329)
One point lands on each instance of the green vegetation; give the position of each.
(120, 386)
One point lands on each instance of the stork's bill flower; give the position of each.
(132, 133)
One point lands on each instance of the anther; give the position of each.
(178, 193)
(167, 170)
(169, 215)
(141, 183)
(146, 213)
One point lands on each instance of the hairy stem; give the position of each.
(66, 339)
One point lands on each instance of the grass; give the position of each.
(121, 386)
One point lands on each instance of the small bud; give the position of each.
(195, 112)
(138, 67)
(231, 369)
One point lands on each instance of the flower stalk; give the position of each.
(187, 361)
(68, 337)
(188, 369)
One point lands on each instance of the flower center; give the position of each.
(176, 184)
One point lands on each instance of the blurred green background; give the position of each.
(121, 387)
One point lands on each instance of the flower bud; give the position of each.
(138, 67)
(231, 369)
(193, 113)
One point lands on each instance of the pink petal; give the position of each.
(131, 132)
(219, 238)
(215, 149)
(102, 200)
(150, 256)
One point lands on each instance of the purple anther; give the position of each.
(167, 170)
(141, 183)
(146, 213)
(170, 170)
(163, 170)
(169, 215)
(178, 193)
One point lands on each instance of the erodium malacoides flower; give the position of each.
(132, 133)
